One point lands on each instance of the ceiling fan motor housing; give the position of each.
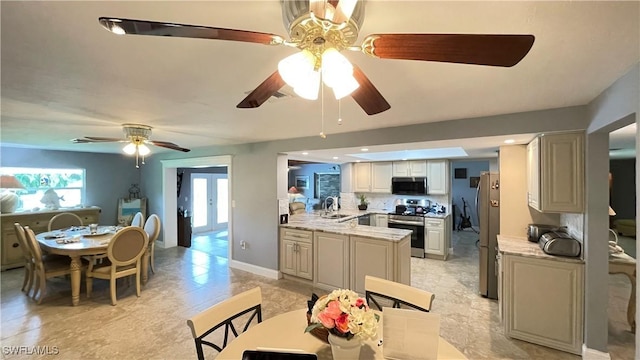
(316, 34)
(136, 133)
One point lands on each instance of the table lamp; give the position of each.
(8, 199)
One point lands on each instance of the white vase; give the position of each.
(343, 349)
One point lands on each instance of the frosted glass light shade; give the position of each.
(345, 87)
(335, 67)
(309, 86)
(143, 150)
(129, 149)
(294, 68)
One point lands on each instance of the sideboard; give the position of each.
(38, 221)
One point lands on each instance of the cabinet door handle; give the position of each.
(15, 245)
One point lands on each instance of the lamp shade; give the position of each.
(611, 212)
(10, 182)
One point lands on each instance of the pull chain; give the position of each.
(322, 134)
(339, 113)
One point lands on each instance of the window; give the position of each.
(68, 184)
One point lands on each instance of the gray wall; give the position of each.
(615, 107)
(108, 176)
(623, 189)
(460, 188)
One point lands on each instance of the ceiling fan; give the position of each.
(321, 29)
(137, 136)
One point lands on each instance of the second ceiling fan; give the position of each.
(321, 29)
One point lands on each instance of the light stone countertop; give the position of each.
(343, 226)
(519, 245)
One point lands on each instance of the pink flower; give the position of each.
(326, 320)
(359, 302)
(333, 309)
(328, 316)
(342, 323)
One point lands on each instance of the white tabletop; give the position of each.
(286, 331)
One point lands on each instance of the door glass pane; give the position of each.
(222, 196)
(200, 209)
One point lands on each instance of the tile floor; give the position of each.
(189, 280)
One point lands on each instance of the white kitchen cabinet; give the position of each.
(362, 177)
(555, 171)
(500, 287)
(381, 220)
(372, 177)
(434, 238)
(411, 168)
(331, 260)
(379, 258)
(543, 301)
(296, 253)
(437, 177)
(381, 177)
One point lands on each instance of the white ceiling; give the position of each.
(64, 76)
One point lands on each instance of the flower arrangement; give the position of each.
(343, 313)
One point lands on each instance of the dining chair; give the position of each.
(123, 258)
(46, 267)
(64, 220)
(223, 313)
(152, 228)
(379, 290)
(138, 220)
(28, 258)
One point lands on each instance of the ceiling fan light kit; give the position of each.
(321, 29)
(137, 137)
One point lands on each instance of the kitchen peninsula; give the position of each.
(334, 252)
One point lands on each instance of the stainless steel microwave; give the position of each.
(409, 186)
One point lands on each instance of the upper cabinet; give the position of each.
(372, 177)
(437, 177)
(362, 177)
(555, 173)
(413, 168)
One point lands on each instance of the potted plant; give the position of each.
(363, 202)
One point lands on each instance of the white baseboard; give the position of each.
(254, 269)
(591, 354)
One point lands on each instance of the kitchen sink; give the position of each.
(335, 216)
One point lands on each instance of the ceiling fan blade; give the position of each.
(479, 49)
(367, 96)
(168, 145)
(143, 27)
(94, 139)
(263, 92)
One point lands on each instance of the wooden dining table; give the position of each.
(286, 331)
(76, 242)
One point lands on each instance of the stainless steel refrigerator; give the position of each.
(488, 210)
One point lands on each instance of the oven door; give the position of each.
(417, 236)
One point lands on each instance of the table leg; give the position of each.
(145, 266)
(75, 280)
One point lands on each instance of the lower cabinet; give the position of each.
(335, 261)
(296, 253)
(38, 221)
(437, 237)
(331, 263)
(543, 301)
(381, 220)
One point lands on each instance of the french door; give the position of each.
(209, 201)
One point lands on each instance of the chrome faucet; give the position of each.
(334, 204)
